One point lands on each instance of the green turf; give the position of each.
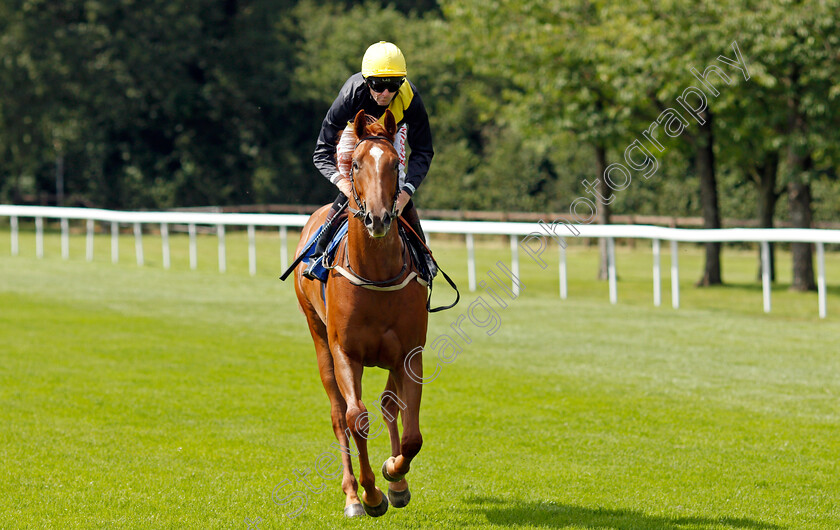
(144, 398)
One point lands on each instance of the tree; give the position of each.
(673, 40)
(557, 58)
(752, 139)
(151, 104)
(794, 48)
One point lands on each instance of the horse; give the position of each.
(371, 317)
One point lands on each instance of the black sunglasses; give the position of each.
(380, 84)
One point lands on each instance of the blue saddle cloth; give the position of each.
(332, 247)
(425, 263)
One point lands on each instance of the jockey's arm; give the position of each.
(402, 200)
(345, 186)
(340, 112)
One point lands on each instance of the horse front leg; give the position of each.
(338, 412)
(349, 378)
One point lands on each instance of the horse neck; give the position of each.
(375, 259)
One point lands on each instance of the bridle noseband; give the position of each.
(362, 211)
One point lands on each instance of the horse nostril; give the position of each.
(368, 219)
(386, 219)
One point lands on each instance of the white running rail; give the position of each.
(530, 237)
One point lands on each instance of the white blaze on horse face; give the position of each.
(378, 188)
(376, 153)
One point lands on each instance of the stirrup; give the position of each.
(321, 246)
(308, 271)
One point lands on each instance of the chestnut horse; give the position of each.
(354, 326)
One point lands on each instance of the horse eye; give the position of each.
(355, 164)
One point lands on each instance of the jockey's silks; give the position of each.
(407, 108)
(400, 102)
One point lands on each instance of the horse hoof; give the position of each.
(354, 510)
(399, 499)
(390, 478)
(376, 511)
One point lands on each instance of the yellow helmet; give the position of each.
(383, 59)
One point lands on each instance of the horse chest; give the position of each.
(374, 308)
(377, 334)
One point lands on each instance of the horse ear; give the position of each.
(390, 123)
(359, 124)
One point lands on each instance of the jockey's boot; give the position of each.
(409, 213)
(324, 238)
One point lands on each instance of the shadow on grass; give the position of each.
(514, 513)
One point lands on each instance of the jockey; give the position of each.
(379, 86)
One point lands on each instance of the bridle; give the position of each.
(349, 273)
(362, 211)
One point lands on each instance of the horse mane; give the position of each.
(375, 128)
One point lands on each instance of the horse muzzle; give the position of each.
(378, 225)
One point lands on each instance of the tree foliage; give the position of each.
(160, 104)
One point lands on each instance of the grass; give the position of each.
(145, 398)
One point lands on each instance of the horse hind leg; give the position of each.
(396, 467)
(398, 493)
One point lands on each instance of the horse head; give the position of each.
(375, 172)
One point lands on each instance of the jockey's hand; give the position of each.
(345, 187)
(402, 200)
